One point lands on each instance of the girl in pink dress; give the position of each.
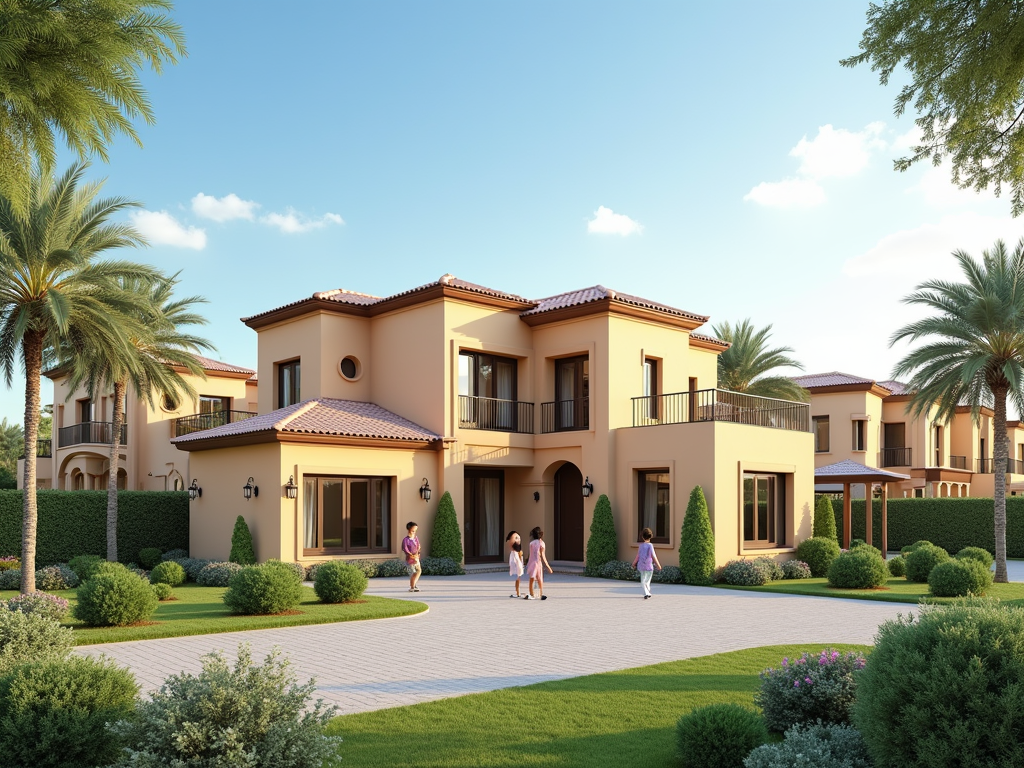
(515, 559)
(537, 563)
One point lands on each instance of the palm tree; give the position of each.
(71, 69)
(744, 366)
(53, 287)
(149, 364)
(976, 357)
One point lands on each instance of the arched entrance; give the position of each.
(569, 544)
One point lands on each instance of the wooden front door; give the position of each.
(569, 543)
(485, 515)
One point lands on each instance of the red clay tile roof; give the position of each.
(599, 293)
(832, 379)
(896, 387)
(849, 468)
(323, 416)
(217, 365)
(454, 282)
(252, 378)
(712, 339)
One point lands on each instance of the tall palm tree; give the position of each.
(149, 365)
(745, 366)
(976, 355)
(53, 286)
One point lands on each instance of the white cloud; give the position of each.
(937, 187)
(838, 152)
(292, 222)
(788, 193)
(160, 228)
(225, 208)
(905, 142)
(607, 222)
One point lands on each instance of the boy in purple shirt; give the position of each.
(411, 547)
(645, 561)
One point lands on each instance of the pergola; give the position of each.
(851, 473)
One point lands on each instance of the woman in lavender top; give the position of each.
(645, 561)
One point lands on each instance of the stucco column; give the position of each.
(868, 504)
(885, 521)
(847, 515)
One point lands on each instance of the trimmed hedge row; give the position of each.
(946, 522)
(73, 523)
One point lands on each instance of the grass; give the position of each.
(598, 721)
(897, 591)
(200, 611)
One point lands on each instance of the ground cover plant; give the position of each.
(608, 720)
(813, 746)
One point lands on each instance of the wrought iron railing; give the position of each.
(565, 415)
(958, 462)
(721, 405)
(44, 448)
(494, 414)
(987, 466)
(90, 432)
(186, 425)
(896, 457)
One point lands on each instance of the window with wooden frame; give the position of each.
(764, 510)
(821, 434)
(654, 504)
(860, 435)
(344, 515)
(288, 383)
(651, 386)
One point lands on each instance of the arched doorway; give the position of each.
(122, 479)
(569, 542)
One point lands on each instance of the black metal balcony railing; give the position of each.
(896, 457)
(494, 414)
(958, 462)
(196, 423)
(90, 432)
(565, 415)
(987, 466)
(44, 448)
(721, 405)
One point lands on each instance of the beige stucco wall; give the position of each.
(841, 408)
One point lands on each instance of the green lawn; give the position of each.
(896, 591)
(200, 611)
(599, 721)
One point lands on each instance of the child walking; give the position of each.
(515, 559)
(645, 561)
(411, 547)
(538, 562)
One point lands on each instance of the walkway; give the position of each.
(474, 638)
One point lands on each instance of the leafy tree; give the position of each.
(445, 539)
(71, 69)
(975, 353)
(745, 366)
(242, 551)
(12, 442)
(966, 84)
(824, 519)
(54, 289)
(697, 541)
(603, 544)
(46, 422)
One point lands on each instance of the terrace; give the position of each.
(721, 405)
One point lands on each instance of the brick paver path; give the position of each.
(474, 638)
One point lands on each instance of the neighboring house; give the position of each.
(78, 455)
(866, 421)
(525, 411)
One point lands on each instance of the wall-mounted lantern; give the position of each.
(194, 491)
(425, 490)
(250, 489)
(536, 495)
(291, 490)
(588, 487)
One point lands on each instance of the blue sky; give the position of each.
(714, 157)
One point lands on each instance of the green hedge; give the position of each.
(74, 523)
(949, 523)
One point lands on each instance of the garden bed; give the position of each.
(896, 590)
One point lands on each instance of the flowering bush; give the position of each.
(813, 746)
(809, 688)
(26, 637)
(668, 574)
(174, 554)
(192, 565)
(9, 563)
(393, 567)
(10, 579)
(55, 577)
(746, 573)
(619, 569)
(216, 574)
(40, 603)
(796, 569)
(772, 568)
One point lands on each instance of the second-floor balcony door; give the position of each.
(490, 383)
(572, 393)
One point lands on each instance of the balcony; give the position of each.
(200, 421)
(987, 466)
(44, 449)
(565, 415)
(958, 462)
(896, 457)
(721, 405)
(101, 432)
(496, 415)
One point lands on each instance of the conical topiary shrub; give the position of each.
(242, 551)
(824, 519)
(445, 540)
(697, 542)
(603, 545)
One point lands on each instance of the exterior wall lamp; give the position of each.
(194, 491)
(250, 489)
(291, 490)
(425, 490)
(536, 495)
(588, 487)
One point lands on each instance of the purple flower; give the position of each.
(796, 684)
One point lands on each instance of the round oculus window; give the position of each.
(350, 368)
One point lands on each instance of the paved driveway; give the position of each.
(474, 638)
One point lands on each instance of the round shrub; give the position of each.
(161, 590)
(150, 557)
(339, 582)
(854, 543)
(54, 577)
(259, 590)
(294, 568)
(84, 566)
(944, 687)
(30, 637)
(618, 569)
(860, 544)
(105, 566)
(916, 545)
(959, 578)
(983, 556)
(813, 746)
(772, 568)
(217, 574)
(175, 554)
(897, 566)
(54, 713)
(193, 566)
(718, 736)
(809, 689)
(169, 573)
(818, 552)
(858, 569)
(41, 604)
(10, 579)
(115, 599)
(745, 573)
(920, 561)
(796, 569)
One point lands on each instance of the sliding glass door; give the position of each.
(344, 515)
(485, 515)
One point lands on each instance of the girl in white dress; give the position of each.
(515, 558)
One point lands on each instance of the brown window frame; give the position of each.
(776, 533)
(815, 420)
(296, 367)
(650, 385)
(224, 401)
(86, 406)
(860, 435)
(641, 498)
(346, 547)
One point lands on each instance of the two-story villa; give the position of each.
(525, 411)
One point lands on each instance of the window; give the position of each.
(350, 368)
(821, 434)
(651, 386)
(653, 504)
(919, 493)
(170, 402)
(764, 510)
(693, 399)
(86, 410)
(572, 393)
(487, 389)
(288, 385)
(937, 446)
(346, 514)
(860, 435)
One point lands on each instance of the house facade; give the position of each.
(525, 411)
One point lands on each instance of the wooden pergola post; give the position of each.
(869, 503)
(885, 521)
(847, 515)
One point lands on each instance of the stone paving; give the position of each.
(474, 638)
